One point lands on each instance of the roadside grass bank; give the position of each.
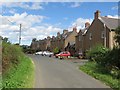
(99, 72)
(21, 76)
(18, 69)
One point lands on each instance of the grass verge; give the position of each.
(21, 76)
(101, 74)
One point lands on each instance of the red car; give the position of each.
(61, 55)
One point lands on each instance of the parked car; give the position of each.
(39, 53)
(47, 53)
(63, 54)
(80, 55)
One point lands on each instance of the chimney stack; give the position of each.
(58, 34)
(87, 24)
(48, 37)
(97, 14)
(75, 29)
(65, 31)
(53, 37)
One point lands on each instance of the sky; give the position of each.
(42, 19)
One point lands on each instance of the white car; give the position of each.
(39, 53)
(47, 53)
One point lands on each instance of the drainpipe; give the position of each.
(105, 36)
(82, 43)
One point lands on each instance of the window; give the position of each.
(90, 37)
(79, 38)
(103, 34)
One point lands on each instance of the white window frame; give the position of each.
(79, 38)
(90, 36)
(103, 34)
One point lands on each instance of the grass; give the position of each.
(101, 74)
(17, 68)
(21, 76)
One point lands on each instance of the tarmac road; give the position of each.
(56, 73)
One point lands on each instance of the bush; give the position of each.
(113, 57)
(100, 73)
(10, 55)
(109, 59)
(17, 69)
(56, 50)
(20, 77)
(112, 61)
(97, 53)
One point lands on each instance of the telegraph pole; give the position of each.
(17, 31)
(20, 34)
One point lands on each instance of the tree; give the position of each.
(1, 38)
(56, 50)
(34, 39)
(117, 36)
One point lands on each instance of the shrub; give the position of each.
(97, 53)
(10, 55)
(17, 69)
(56, 50)
(117, 36)
(109, 59)
(100, 73)
(112, 61)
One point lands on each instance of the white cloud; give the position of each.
(39, 32)
(29, 28)
(75, 4)
(24, 5)
(80, 23)
(115, 8)
(59, 0)
(12, 11)
(110, 16)
(36, 6)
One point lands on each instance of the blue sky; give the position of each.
(40, 20)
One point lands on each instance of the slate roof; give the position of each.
(111, 23)
(66, 35)
(85, 30)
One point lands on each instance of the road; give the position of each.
(55, 73)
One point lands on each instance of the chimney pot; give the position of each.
(65, 31)
(87, 24)
(75, 29)
(97, 14)
(58, 34)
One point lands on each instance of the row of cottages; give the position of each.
(62, 41)
(101, 31)
(41, 45)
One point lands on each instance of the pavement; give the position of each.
(56, 73)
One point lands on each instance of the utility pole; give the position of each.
(17, 31)
(20, 34)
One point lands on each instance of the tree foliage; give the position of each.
(56, 50)
(97, 52)
(10, 55)
(34, 39)
(117, 36)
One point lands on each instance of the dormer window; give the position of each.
(90, 37)
(103, 34)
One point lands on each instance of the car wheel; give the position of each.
(61, 57)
